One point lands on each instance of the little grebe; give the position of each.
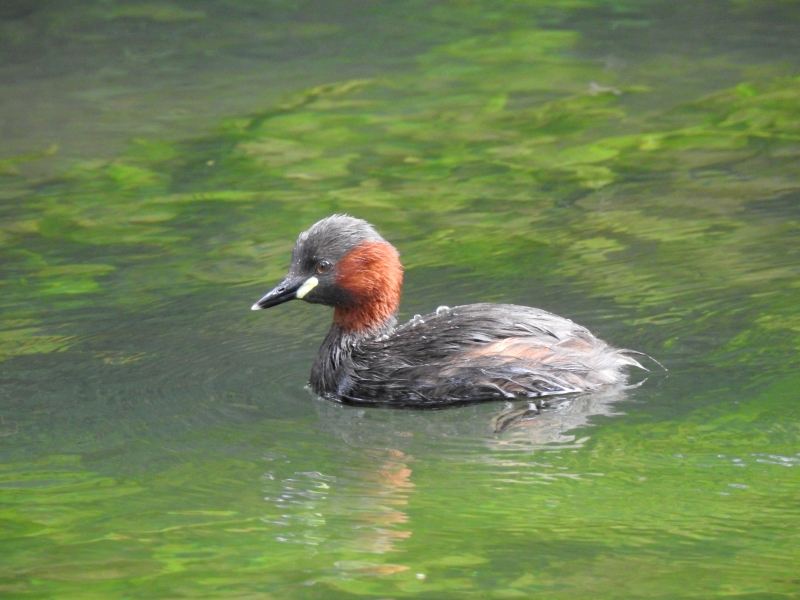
(456, 355)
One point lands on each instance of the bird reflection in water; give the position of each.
(383, 509)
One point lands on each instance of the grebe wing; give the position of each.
(483, 352)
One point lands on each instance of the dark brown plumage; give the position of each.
(456, 355)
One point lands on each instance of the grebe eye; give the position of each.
(323, 267)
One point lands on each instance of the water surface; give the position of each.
(629, 166)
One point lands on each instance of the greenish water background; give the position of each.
(631, 166)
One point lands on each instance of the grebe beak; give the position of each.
(288, 289)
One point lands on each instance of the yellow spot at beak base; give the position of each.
(309, 285)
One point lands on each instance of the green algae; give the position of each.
(370, 521)
(9, 167)
(441, 145)
(158, 12)
(502, 153)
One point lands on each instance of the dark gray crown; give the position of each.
(332, 238)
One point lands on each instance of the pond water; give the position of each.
(631, 166)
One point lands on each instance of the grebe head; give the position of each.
(343, 262)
